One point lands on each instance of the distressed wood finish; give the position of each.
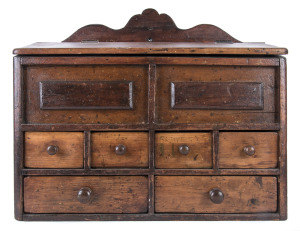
(167, 153)
(152, 27)
(104, 154)
(69, 152)
(150, 122)
(87, 73)
(166, 74)
(190, 194)
(150, 48)
(200, 95)
(110, 194)
(61, 95)
(232, 153)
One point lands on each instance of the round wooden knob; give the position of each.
(52, 149)
(216, 196)
(120, 149)
(249, 150)
(84, 195)
(184, 149)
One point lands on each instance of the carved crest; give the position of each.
(152, 27)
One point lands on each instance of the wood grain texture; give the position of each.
(283, 140)
(138, 60)
(69, 155)
(103, 149)
(111, 194)
(232, 154)
(222, 74)
(136, 74)
(150, 48)
(82, 95)
(231, 95)
(190, 194)
(167, 154)
(153, 27)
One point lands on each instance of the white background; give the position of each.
(26, 22)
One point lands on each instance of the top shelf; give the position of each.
(151, 33)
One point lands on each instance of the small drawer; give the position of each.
(54, 149)
(248, 150)
(183, 150)
(215, 194)
(90, 194)
(120, 149)
(86, 94)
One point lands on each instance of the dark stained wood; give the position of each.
(190, 194)
(232, 153)
(150, 53)
(151, 27)
(157, 127)
(18, 138)
(282, 145)
(89, 172)
(153, 48)
(166, 74)
(214, 172)
(168, 154)
(135, 60)
(87, 73)
(231, 95)
(68, 154)
(111, 194)
(103, 149)
(61, 95)
(154, 217)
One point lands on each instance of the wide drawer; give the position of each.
(183, 150)
(86, 94)
(90, 194)
(120, 149)
(248, 150)
(216, 94)
(215, 194)
(54, 149)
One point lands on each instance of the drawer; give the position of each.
(101, 94)
(183, 150)
(90, 194)
(248, 150)
(216, 94)
(54, 149)
(215, 194)
(120, 149)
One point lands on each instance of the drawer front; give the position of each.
(248, 150)
(215, 194)
(120, 149)
(54, 149)
(101, 94)
(183, 150)
(215, 94)
(90, 194)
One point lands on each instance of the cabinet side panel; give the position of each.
(18, 139)
(283, 140)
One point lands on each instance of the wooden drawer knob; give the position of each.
(84, 195)
(52, 150)
(120, 149)
(216, 196)
(249, 150)
(184, 149)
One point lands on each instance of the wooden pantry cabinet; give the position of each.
(150, 122)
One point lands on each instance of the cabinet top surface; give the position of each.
(144, 48)
(150, 33)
